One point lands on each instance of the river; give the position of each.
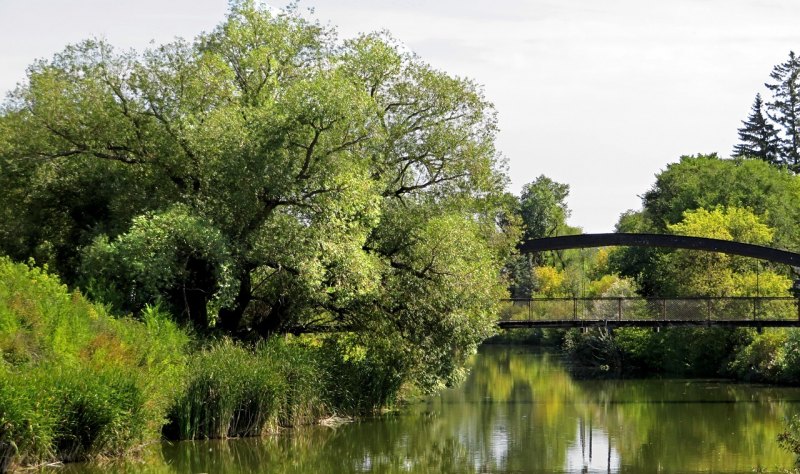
(520, 411)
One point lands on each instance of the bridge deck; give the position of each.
(650, 312)
(605, 323)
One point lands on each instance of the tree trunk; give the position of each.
(230, 319)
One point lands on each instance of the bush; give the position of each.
(676, 351)
(679, 351)
(791, 360)
(762, 359)
(360, 378)
(790, 438)
(592, 352)
(772, 356)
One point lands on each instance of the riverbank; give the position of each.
(769, 356)
(77, 383)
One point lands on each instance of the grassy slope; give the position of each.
(74, 381)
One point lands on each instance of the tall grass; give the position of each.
(75, 382)
(234, 390)
(227, 394)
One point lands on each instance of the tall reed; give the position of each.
(233, 390)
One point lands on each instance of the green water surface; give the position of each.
(519, 411)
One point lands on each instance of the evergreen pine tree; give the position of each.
(785, 109)
(758, 137)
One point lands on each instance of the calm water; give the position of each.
(521, 412)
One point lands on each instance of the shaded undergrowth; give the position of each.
(771, 356)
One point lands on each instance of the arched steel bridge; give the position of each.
(660, 240)
(655, 312)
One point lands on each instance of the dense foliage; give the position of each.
(540, 211)
(737, 199)
(265, 178)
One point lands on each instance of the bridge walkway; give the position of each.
(650, 312)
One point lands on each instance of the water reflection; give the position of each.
(521, 412)
(593, 452)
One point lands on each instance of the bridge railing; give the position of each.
(651, 309)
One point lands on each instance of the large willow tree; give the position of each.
(263, 178)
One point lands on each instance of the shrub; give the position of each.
(593, 351)
(762, 359)
(360, 378)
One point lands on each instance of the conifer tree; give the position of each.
(758, 138)
(785, 109)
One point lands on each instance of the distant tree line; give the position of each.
(772, 130)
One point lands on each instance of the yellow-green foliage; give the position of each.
(716, 274)
(550, 282)
(772, 356)
(724, 223)
(74, 381)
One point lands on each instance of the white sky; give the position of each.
(597, 94)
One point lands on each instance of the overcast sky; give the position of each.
(600, 95)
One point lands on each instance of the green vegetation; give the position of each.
(76, 382)
(541, 211)
(790, 439)
(79, 383)
(739, 199)
(720, 197)
(742, 199)
(264, 179)
(235, 391)
(221, 200)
